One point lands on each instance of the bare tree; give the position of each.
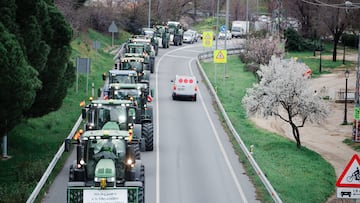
(302, 12)
(283, 92)
(324, 18)
(333, 21)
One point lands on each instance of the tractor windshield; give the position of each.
(133, 65)
(126, 94)
(122, 79)
(107, 114)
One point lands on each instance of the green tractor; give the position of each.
(135, 62)
(105, 168)
(176, 33)
(114, 115)
(162, 35)
(121, 76)
(117, 76)
(141, 96)
(144, 49)
(149, 33)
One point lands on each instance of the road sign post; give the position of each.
(112, 28)
(207, 39)
(220, 56)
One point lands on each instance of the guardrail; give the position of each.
(252, 161)
(210, 54)
(52, 164)
(59, 153)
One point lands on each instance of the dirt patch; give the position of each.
(327, 137)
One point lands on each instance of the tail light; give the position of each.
(196, 88)
(174, 87)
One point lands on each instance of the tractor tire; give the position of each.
(150, 113)
(137, 151)
(148, 134)
(152, 64)
(71, 173)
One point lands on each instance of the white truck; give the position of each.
(239, 28)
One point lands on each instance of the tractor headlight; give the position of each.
(112, 179)
(129, 161)
(82, 162)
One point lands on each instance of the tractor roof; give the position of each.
(105, 134)
(132, 59)
(122, 72)
(128, 86)
(114, 102)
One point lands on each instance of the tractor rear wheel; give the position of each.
(148, 133)
(137, 150)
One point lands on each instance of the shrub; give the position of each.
(295, 42)
(350, 40)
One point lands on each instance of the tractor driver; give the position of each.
(108, 150)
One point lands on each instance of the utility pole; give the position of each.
(226, 28)
(357, 104)
(149, 13)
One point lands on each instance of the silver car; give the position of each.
(189, 37)
(184, 87)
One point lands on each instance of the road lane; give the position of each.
(193, 160)
(194, 163)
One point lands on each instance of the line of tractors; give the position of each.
(118, 125)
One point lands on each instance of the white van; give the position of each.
(185, 87)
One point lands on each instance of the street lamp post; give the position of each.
(346, 88)
(344, 54)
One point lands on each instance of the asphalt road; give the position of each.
(193, 160)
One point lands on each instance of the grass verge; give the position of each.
(293, 172)
(34, 142)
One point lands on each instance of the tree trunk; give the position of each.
(296, 134)
(336, 41)
(334, 50)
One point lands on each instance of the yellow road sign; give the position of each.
(220, 56)
(207, 39)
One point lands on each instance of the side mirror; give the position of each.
(67, 145)
(104, 76)
(83, 113)
(99, 92)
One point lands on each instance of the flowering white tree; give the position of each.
(283, 91)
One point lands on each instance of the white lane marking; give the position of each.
(184, 57)
(157, 185)
(221, 146)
